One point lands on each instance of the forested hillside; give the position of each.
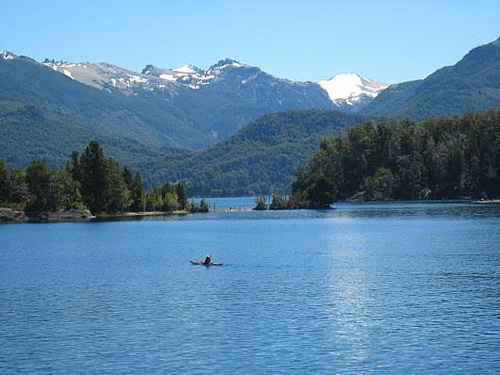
(471, 85)
(259, 159)
(441, 158)
(46, 115)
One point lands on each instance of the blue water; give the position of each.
(365, 288)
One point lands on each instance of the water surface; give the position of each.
(364, 288)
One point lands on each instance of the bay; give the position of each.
(383, 288)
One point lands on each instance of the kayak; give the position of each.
(197, 263)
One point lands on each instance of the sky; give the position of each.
(388, 40)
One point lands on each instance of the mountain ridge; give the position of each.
(190, 76)
(470, 85)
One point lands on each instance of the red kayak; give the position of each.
(195, 262)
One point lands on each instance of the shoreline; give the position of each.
(142, 214)
(11, 216)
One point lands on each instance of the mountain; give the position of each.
(216, 101)
(471, 85)
(110, 77)
(350, 92)
(46, 115)
(259, 159)
(49, 109)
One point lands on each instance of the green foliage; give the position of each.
(169, 198)
(45, 115)
(4, 183)
(50, 190)
(440, 158)
(203, 206)
(138, 195)
(39, 181)
(18, 188)
(89, 180)
(259, 159)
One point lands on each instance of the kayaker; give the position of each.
(208, 260)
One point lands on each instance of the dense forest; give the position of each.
(89, 181)
(441, 158)
(260, 159)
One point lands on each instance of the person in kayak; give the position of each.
(208, 260)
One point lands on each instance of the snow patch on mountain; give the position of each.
(105, 76)
(348, 91)
(191, 76)
(67, 73)
(351, 88)
(6, 55)
(186, 69)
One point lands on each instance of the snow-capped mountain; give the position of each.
(190, 76)
(348, 91)
(351, 90)
(6, 55)
(108, 77)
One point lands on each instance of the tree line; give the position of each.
(89, 181)
(441, 158)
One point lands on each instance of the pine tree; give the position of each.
(4, 183)
(95, 181)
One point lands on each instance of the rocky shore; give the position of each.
(8, 215)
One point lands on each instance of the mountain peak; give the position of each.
(227, 61)
(496, 42)
(148, 69)
(187, 69)
(351, 88)
(6, 55)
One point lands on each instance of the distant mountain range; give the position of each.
(221, 99)
(136, 115)
(158, 120)
(229, 77)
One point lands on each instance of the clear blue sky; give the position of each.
(388, 40)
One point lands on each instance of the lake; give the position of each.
(385, 288)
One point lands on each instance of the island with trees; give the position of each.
(441, 158)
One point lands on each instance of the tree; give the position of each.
(380, 186)
(18, 187)
(118, 197)
(170, 203)
(138, 194)
(95, 181)
(4, 183)
(38, 179)
(180, 191)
